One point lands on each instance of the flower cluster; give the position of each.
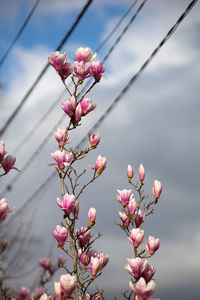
(134, 214)
(83, 67)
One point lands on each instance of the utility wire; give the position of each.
(46, 139)
(13, 115)
(117, 99)
(31, 132)
(19, 33)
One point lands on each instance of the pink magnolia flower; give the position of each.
(141, 173)
(148, 272)
(94, 139)
(59, 136)
(45, 263)
(130, 172)
(126, 221)
(76, 210)
(143, 289)
(153, 244)
(78, 113)
(87, 106)
(83, 54)
(132, 206)
(139, 218)
(92, 216)
(100, 164)
(81, 69)
(46, 297)
(4, 209)
(85, 257)
(69, 106)
(60, 64)
(157, 189)
(2, 150)
(61, 234)
(97, 70)
(63, 160)
(58, 291)
(104, 260)
(23, 292)
(8, 163)
(124, 196)
(68, 204)
(68, 284)
(135, 267)
(38, 293)
(95, 264)
(137, 236)
(84, 236)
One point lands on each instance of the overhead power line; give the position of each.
(46, 139)
(117, 99)
(17, 109)
(19, 33)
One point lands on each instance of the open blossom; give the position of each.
(130, 172)
(97, 70)
(141, 172)
(68, 204)
(153, 244)
(2, 150)
(85, 257)
(63, 160)
(59, 62)
(135, 267)
(143, 289)
(65, 287)
(124, 196)
(4, 209)
(8, 163)
(97, 263)
(92, 216)
(137, 236)
(59, 136)
(148, 272)
(84, 236)
(94, 139)
(157, 189)
(60, 234)
(84, 54)
(69, 106)
(81, 69)
(87, 106)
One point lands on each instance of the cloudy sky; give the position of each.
(156, 122)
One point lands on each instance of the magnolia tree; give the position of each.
(84, 263)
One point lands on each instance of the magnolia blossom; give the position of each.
(76, 210)
(124, 196)
(66, 286)
(138, 218)
(157, 189)
(141, 173)
(2, 150)
(60, 135)
(78, 113)
(135, 267)
(132, 206)
(97, 70)
(63, 160)
(84, 236)
(81, 69)
(46, 297)
(92, 216)
(153, 244)
(60, 234)
(4, 209)
(8, 163)
(84, 54)
(69, 106)
(68, 204)
(59, 62)
(137, 236)
(93, 297)
(143, 289)
(126, 221)
(87, 106)
(45, 263)
(85, 257)
(97, 263)
(61, 260)
(100, 164)
(23, 293)
(94, 139)
(130, 172)
(148, 272)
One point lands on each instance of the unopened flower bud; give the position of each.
(138, 218)
(94, 140)
(152, 245)
(59, 136)
(157, 189)
(92, 216)
(137, 236)
(68, 204)
(100, 164)
(141, 173)
(132, 206)
(130, 172)
(97, 70)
